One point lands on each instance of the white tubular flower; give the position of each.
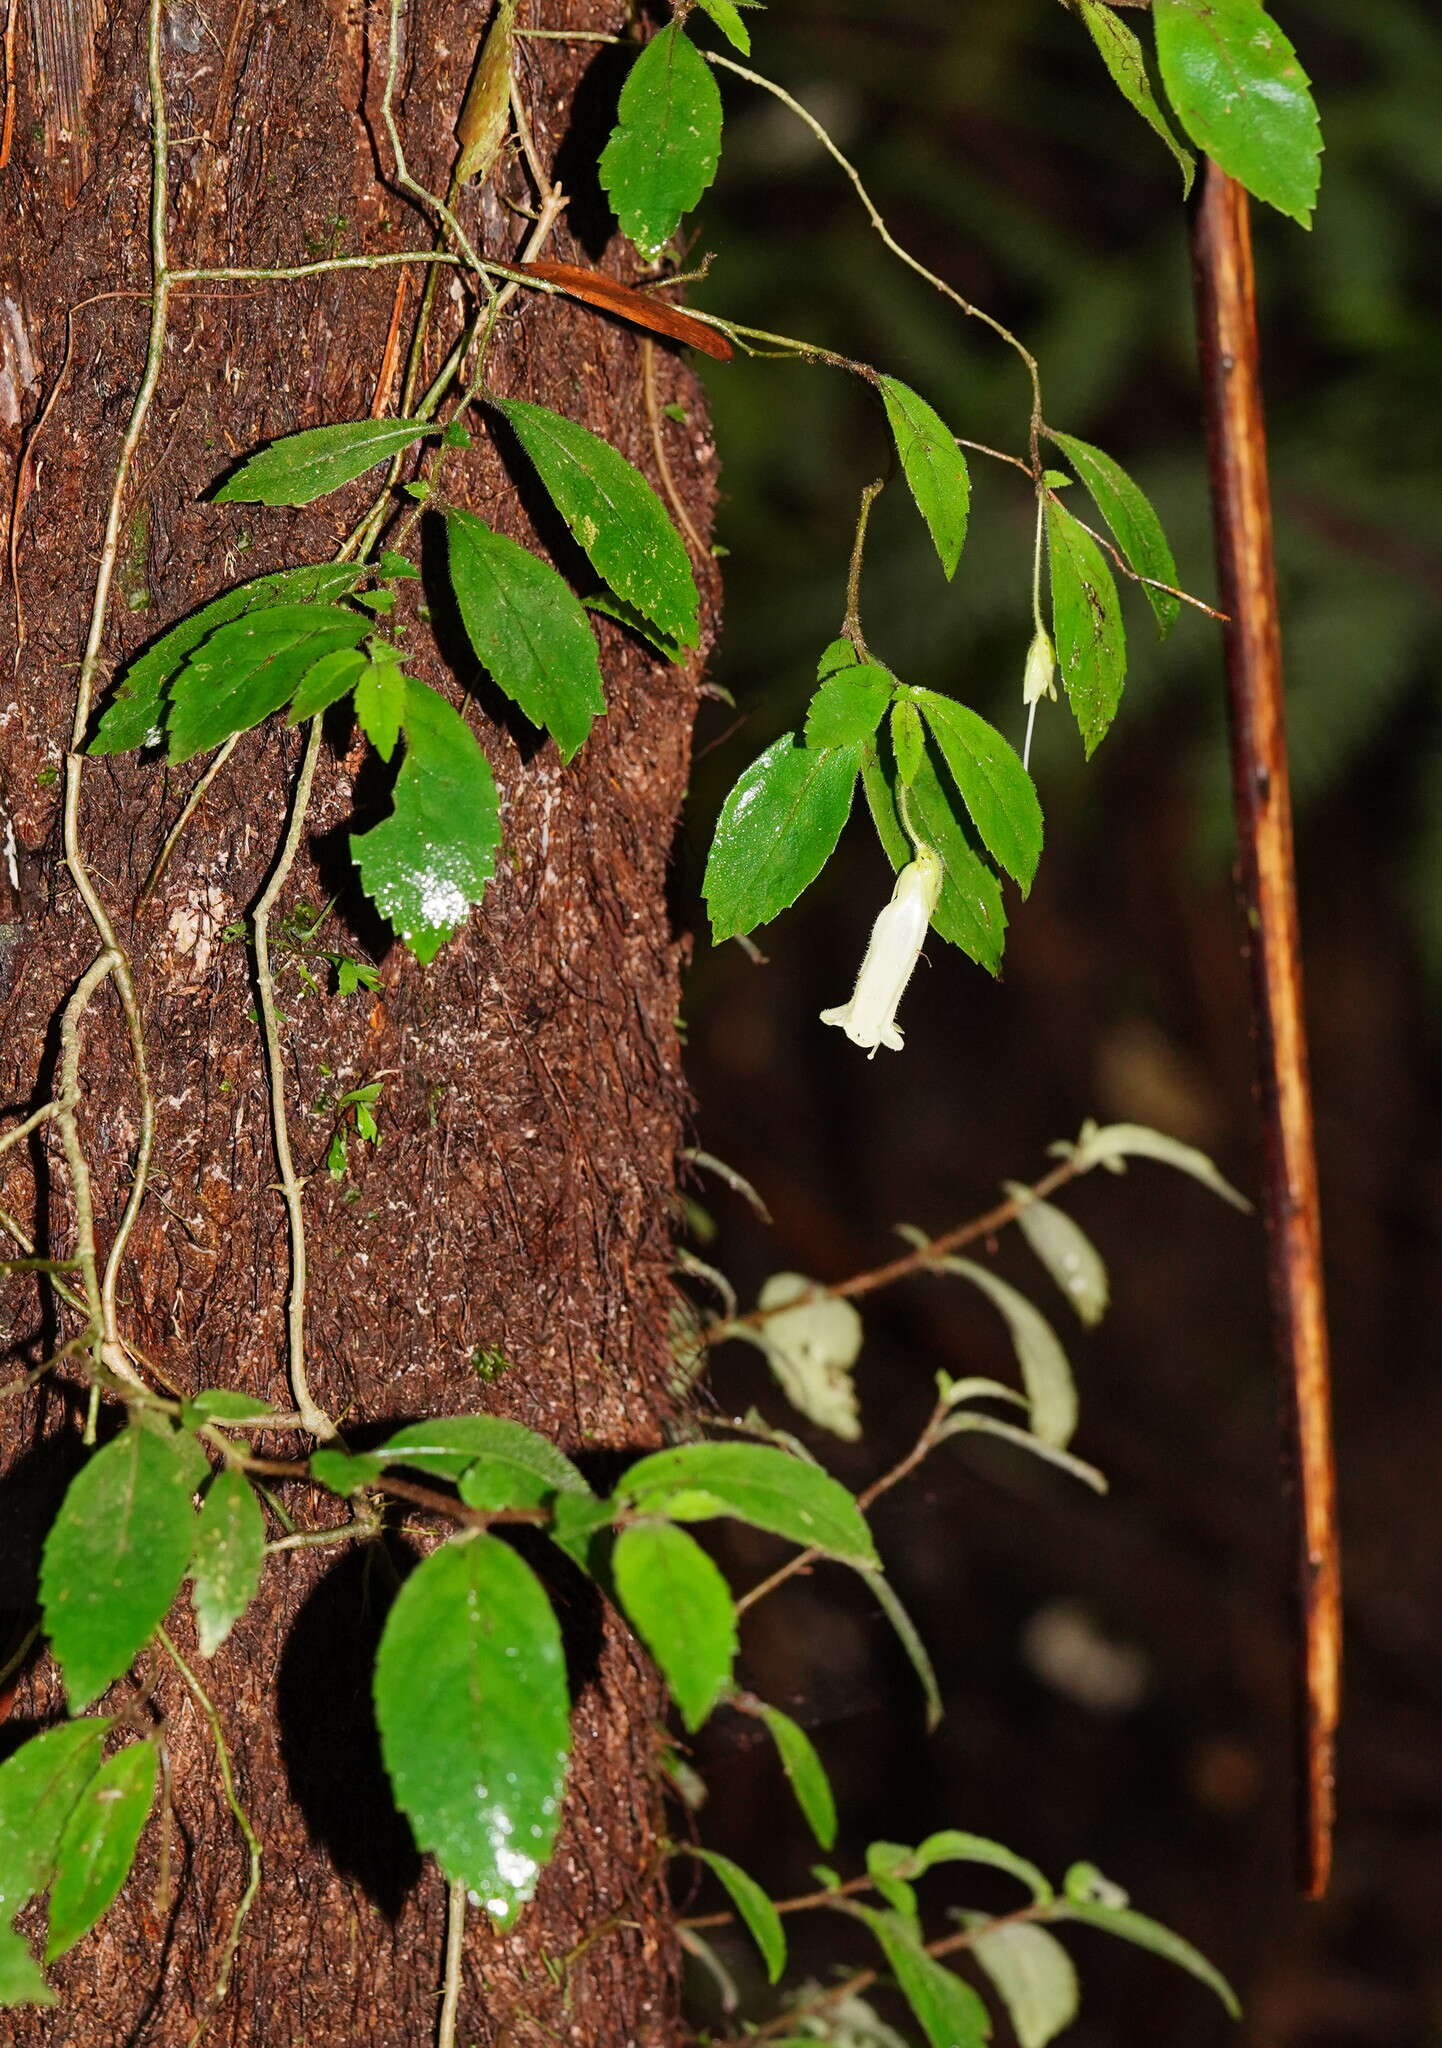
(897, 938)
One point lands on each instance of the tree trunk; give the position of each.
(516, 1206)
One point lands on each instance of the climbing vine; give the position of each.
(470, 1689)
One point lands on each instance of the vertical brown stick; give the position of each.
(1226, 318)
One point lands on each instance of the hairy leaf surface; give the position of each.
(665, 147)
(934, 467)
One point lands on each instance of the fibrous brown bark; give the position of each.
(532, 1103)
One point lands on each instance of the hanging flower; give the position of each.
(897, 938)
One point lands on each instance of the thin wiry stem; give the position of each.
(313, 1418)
(248, 1835)
(455, 1943)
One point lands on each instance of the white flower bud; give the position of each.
(1040, 678)
(897, 938)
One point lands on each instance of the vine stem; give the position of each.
(254, 1851)
(851, 624)
(455, 1944)
(292, 1188)
(1241, 508)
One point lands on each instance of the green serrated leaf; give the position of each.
(325, 682)
(1149, 1934)
(1091, 648)
(681, 1607)
(763, 1922)
(955, 1845)
(765, 1487)
(136, 714)
(380, 702)
(613, 607)
(664, 149)
(969, 912)
(1129, 512)
(1241, 95)
(934, 468)
(39, 1787)
(345, 1472)
(426, 866)
(811, 1349)
(614, 515)
(1033, 1976)
(1110, 1144)
(98, 1845)
(998, 793)
(114, 1558)
(229, 1554)
(249, 668)
(499, 1463)
(580, 1526)
(528, 628)
(777, 829)
(303, 467)
(474, 1717)
(948, 2012)
(1065, 1250)
(1044, 1368)
(22, 1982)
(400, 567)
(908, 740)
(1125, 59)
(849, 705)
(836, 655)
(805, 1770)
(227, 1404)
(727, 17)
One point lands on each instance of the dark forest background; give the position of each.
(1117, 1673)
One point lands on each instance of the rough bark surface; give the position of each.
(532, 1104)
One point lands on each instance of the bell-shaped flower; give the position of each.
(897, 938)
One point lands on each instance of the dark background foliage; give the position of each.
(1117, 1672)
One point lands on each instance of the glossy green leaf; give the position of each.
(474, 1717)
(344, 1473)
(1044, 1368)
(765, 1487)
(136, 714)
(22, 1981)
(727, 17)
(908, 740)
(614, 515)
(426, 866)
(998, 793)
(303, 467)
(969, 911)
(777, 829)
(1129, 512)
(1065, 1250)
(1091, 647)
(681, 1607)
(502, 1463)
(1241, 95)
(228, 1404)
(763, 1922)
(1111, 1145)
(805, 1771)
(948, 2012)
(324, 683)
(1125, 59)
(528, 628)
(1033, 1976)
(380, 702)
(39, 1787)
(248, 669)
(229, 1554)
(1149, 1934)
(114, 1558)
(98, 1845)
(849, 705)
(664, 149)
(934, 468)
